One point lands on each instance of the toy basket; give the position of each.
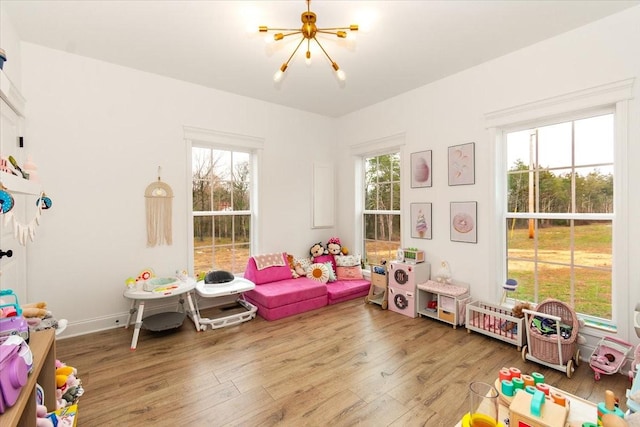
(546, 348)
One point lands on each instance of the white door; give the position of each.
(13, 268)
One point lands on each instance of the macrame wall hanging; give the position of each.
(158, 199)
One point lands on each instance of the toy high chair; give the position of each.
(509, 286)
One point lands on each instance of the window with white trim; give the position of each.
(559, 211)
(381, 215)
(221, 208)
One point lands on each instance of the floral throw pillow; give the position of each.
(319, 272)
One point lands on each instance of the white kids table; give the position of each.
(138, 296)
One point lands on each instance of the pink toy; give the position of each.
(42, 420)
(609, 356)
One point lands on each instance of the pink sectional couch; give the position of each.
(278, 295)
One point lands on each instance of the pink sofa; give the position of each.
(278, 295)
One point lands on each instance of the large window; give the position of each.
(221, 209)
(559, 212)
(381, 213)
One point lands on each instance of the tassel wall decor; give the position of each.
(158, 202)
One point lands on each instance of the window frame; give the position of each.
(615, 95)
(371, 148)
(396, 212)
(210, 139)
(572, 216)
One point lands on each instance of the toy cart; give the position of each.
(609, 356)
(552, 334)
(379, 286)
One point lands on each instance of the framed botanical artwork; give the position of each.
(421, 169)
(464, 224)
(462, 167)
(421, 220)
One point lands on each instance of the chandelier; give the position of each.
(308, 32)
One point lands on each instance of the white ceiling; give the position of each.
(408, 44)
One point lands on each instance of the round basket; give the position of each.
(546, 347)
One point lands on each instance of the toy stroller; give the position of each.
(609, 356)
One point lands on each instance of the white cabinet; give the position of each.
(443, 301)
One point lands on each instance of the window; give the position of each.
(560, 212)
(222, 215)
(381, 211)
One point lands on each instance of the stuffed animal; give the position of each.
(296, 268)
(334, 247)
(42, 419)
(516, 311)
(36, 309)
(68, 385)
(444, 273)
(317, 250)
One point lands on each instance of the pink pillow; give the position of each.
(269, 274)
(349, 273)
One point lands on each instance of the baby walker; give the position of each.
(222, 286)
(552, 332)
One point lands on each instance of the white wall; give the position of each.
(10, 42)
(98, 133)
(451, 111)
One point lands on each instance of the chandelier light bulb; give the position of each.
(307, 59)
(278, 76)
(341, 75)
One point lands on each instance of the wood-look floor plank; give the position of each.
(346, 364)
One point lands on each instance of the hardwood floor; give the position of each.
(342, 365)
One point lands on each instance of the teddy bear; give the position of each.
(516, 311)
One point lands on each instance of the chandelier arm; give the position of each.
(324, 51)
(336, 28)
(321, 30)
(279, 29)
(292, 34)
(294, 51)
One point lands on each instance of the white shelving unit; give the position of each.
(443, 301)
(16, 184)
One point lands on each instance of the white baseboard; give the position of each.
(119, 320)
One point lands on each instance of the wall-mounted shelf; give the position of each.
(10, 93)
(16, 184)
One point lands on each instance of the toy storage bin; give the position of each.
(497, 322)
(546, 348)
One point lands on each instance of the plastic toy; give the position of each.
(15, 323)
(609, 356)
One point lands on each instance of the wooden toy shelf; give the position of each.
(379, 287)
(23, 412)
